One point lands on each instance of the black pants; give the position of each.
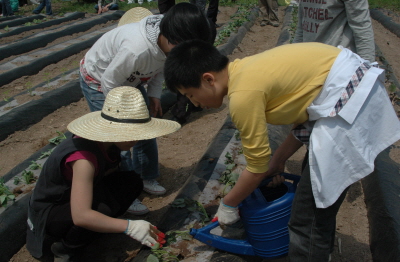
(112, 198)
(165, 5)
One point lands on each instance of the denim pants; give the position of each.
(6, 8)
(111, 7)
(44, 3)
(311, 229)
(144, 159)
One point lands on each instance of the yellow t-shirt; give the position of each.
(275, 87)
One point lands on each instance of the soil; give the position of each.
(180, 152)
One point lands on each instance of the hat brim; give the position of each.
(94, 127)
(134, 15)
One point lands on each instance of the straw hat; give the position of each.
(134, 15)
(124, 117)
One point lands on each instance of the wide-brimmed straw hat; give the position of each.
(124, 117)
(134, 15)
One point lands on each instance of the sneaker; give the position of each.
(137, 208)
(61, 254)
(151, 186)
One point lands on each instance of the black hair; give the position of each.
(185, 21)
(188, 61)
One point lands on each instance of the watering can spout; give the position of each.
(230, 245)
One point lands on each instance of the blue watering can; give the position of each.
(265, 214)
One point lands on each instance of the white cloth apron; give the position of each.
(343, 148)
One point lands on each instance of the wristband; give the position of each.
(126, 230)
(226, 205)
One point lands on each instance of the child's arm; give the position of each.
(81, 202)
(84, 216)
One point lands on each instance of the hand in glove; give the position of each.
(144, 232)
(226, 214)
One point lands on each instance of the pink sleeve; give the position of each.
(77, 155)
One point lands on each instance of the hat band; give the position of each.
(130, 121)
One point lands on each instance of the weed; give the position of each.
(5, 193)
(58, 139)
(28, 23)
(37, 21)
(28, 177)
(6, 28)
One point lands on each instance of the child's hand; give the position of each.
(144, 232)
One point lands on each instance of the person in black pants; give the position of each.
(183, 107)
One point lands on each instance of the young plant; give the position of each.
(48, 78)
(46, 154)
(63, 70)
(28, 177)
(58, 139)
(34, 166)
(7, 28)
(192, 206)
(28, 87)
(17, 180)
(5, 193)
(28, 23)
(6, 97)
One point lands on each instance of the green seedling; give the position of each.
(192, 206)
(28, 23)
(7, 28)
(37, 21)
(28, 177)
(28, 87)
(46, 154)
(17, 180)
(34, 166)
(6, 97)
(48, 78)
(5, 194)
(58, 139)
(63, 70)
(161, 254)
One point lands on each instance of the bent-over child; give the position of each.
(133, 54)
(337, 103)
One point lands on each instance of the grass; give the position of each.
(393, 5)
(65, 6)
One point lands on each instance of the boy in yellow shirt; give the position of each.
(330, 91)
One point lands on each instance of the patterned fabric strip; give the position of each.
(90, 81)
(303, 134)
(351, 87)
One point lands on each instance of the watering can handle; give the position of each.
(295, 178)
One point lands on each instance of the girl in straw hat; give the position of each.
(81, 190)
(133, 54)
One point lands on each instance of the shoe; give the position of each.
(61, 253)
(137, 208)
(269, 22)
(151, 186)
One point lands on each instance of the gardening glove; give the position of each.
(226, 214)
(144, 232)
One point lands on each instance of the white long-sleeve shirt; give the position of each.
(127, 56)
